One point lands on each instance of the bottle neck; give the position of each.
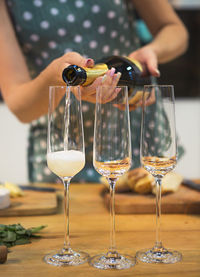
(74, 75)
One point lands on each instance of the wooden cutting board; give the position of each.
(32, 203)
(184, 201)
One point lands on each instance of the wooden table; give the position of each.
(89, 228)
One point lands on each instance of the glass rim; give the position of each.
(152, 86)
(118, 86)
(64, 86)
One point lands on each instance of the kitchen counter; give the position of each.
(89, 232)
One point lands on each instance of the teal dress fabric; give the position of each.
(47, 29)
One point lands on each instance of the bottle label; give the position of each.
(94, 72)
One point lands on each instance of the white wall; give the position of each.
(13, 148)
(13, 142)
(188, 129)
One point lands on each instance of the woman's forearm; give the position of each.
(26, 98)
(29, 100)
(20, 93)
(169, 33)
(170, 42)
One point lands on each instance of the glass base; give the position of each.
(66, 258)
(112, 260)
(159, 255)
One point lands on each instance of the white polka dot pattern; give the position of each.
(54, 11)
(44, 54)
(102, 29)
(44, 24)
(117, 2)
(85, 108)
(116, 52)
(90, 172)
(67, 50)
(71, 18)
(38, 3)
(49, 29)
(106, 49)
(47, 171)
(78, 38)
(34, 37)
(42, 119)
(52, 44)
(38, 61)
(61, 32)
(93, 44)
(111, 14)
(27, 16)
(95, 8)
(113, 34)
(87, 24)
(79, 4)
(43, 144)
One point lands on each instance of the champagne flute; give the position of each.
(112, 158)
(65, 157)
(158, 156)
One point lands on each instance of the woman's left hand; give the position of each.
(109, 81)
(148, 59)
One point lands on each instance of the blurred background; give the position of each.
(183, 73)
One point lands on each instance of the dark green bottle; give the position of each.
(130, 69)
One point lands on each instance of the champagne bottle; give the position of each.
(130, 69)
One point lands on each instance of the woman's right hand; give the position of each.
(53, 76)
(53, 72)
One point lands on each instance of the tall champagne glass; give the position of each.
(65, 157)
(112, 158)
(158, 156)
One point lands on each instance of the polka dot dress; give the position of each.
(47, 29)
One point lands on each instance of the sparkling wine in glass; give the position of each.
(65, 157)
(112, 158)
(158, 151)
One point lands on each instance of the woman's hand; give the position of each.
(53, 72)
(53, 75)
(110, 79)
(148, 59)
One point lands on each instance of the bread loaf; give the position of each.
(140, 181)
(170, 183)
(121, 184)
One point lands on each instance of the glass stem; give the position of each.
(66, 214)
(112, 183)
(158, 243)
